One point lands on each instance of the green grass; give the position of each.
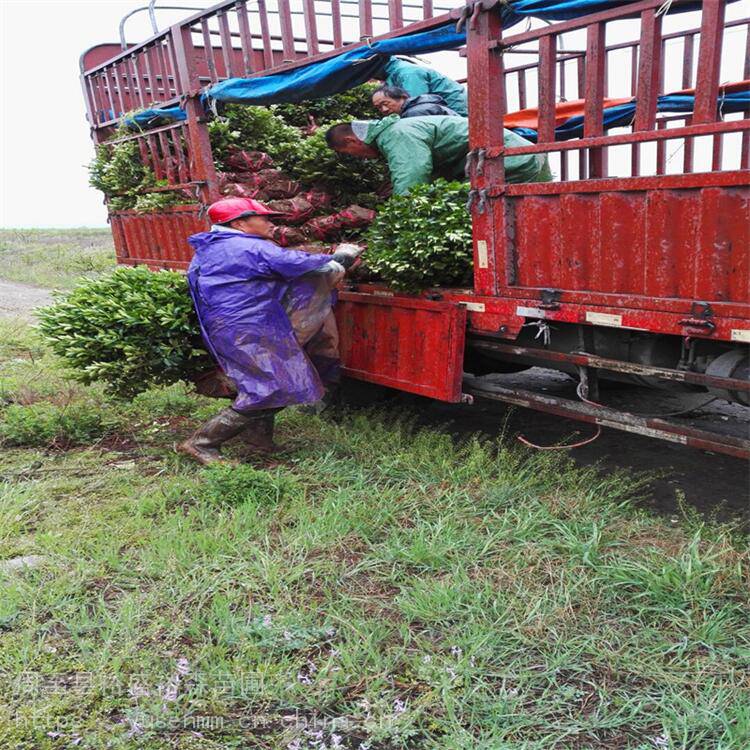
(377, 587)
(55, 258)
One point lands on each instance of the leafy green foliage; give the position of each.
(254, 129)
(347, 179)
(423, 238)
(45, 425)
(236, 485)
(148, 202)
(117, 171)
(131, 330)
(355, 104)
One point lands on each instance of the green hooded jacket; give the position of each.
(419, 149)
(418, 80)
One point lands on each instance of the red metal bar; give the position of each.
(151, 90)
(169, 165)
(145, 153)
(522, 89)
(110, 98)
(661, 149)
(138, 80)
(199, 147)
(117, 85)
(649, 68)
(209, 52)
(226, 44)
(287, 31)
(427, 10)
(265, 35)
(487, 105)
(156, 156)
(395, 14)
(89, 95)
(336, 21)
(246, 39)
(730, 126)
(717, 151)
(311, 27)
(174, 86)
(635, 149)
(592, 122)
(179, 139)
(623, 184)
(583, 165)
(547, 52)
(687, 82)
(365, 18)
(165, 87)
(709, 61)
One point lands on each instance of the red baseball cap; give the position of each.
(229, 209)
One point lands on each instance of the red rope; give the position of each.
(523, 440)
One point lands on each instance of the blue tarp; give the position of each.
(621, 115)
(334, 75)
(151, 118)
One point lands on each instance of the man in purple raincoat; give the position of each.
(265, 313)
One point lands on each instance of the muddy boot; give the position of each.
(204, 445)
(259, 433)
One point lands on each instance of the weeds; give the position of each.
(385, 588)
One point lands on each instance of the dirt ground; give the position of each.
(19, 300)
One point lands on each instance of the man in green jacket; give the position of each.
(419, 149)
(417, 80)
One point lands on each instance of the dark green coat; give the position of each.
(419, 80)
(419, 149)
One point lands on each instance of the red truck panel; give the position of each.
(691, 244)
(157, 240)
(412, 344)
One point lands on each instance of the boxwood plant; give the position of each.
(422, 239)
(131, 330)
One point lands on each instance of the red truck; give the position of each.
(632, 265)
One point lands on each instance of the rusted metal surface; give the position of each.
(156, 240)
(412, 344)
(615, 419)
(688, 243)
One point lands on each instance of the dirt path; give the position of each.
(20, 300)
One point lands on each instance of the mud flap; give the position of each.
(412, 344)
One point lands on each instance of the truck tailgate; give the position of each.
(415, 345)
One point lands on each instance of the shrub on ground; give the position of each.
(131, 330)
(423, 239)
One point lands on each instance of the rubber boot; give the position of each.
(259, 433)
(204, 445)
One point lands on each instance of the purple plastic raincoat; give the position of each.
(242, 287)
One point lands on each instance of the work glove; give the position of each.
(346, 253)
